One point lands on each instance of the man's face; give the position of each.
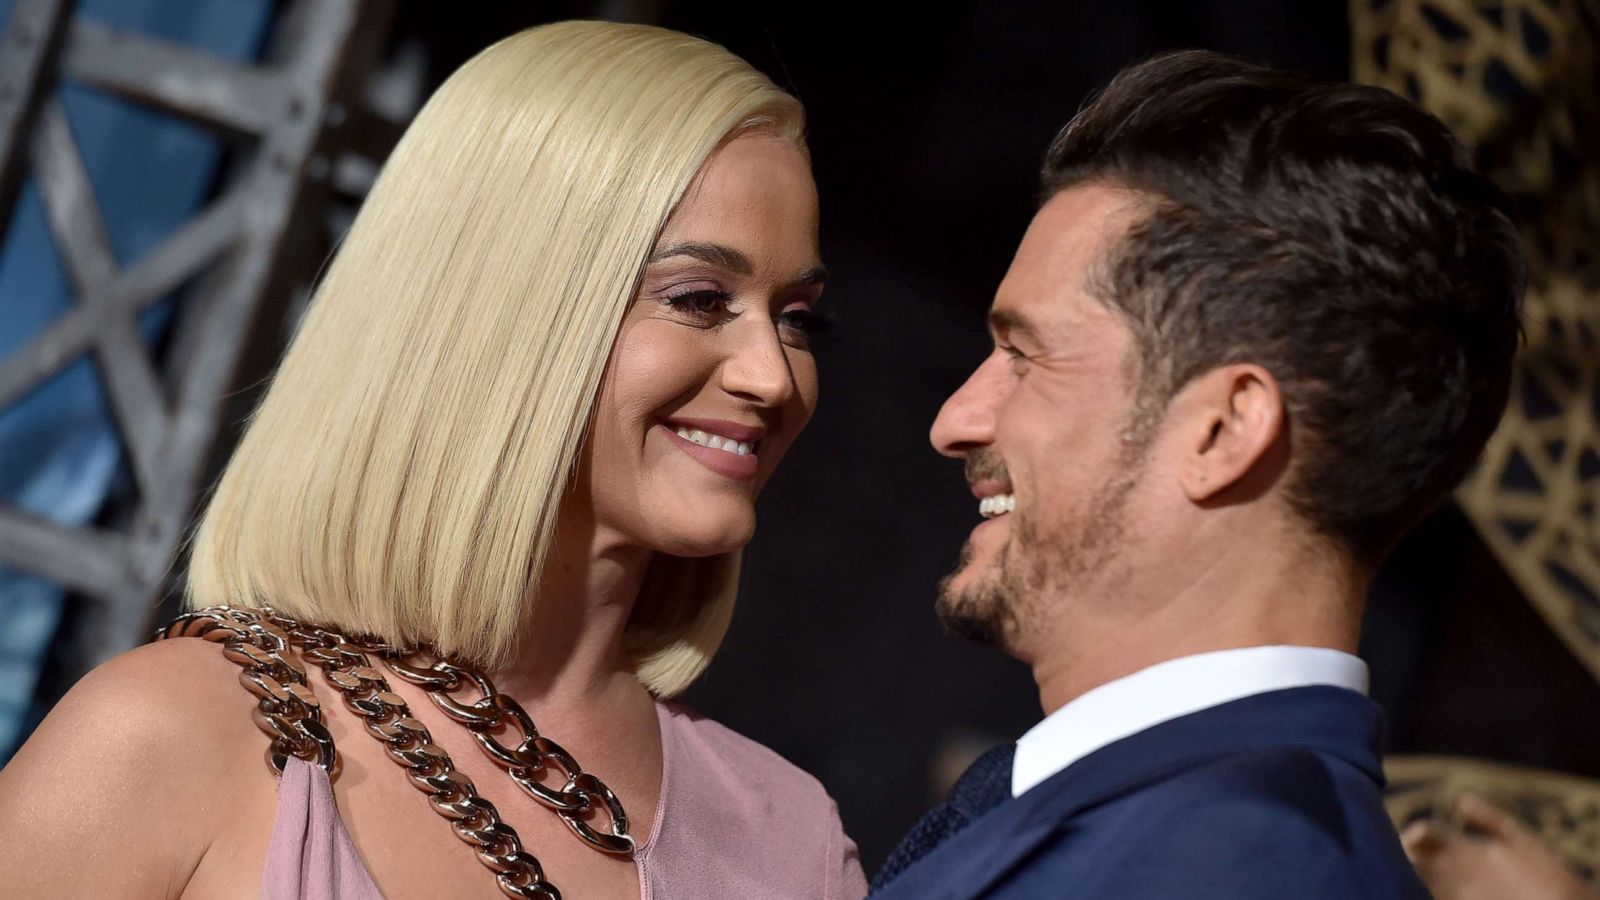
(1047, 427)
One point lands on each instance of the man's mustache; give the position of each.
(984, 464)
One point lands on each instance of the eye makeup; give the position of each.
(707, 305)
(808, 321)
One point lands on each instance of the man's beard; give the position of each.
(1006, 604)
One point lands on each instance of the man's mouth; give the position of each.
(990, 482)
(995, 497)
(996, 505)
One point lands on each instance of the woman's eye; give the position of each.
(805, 320)
(798, 325)
(700, 304)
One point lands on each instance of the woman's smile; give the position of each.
(726, 448)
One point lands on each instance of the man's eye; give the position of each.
(1018, 359)
(701, 304)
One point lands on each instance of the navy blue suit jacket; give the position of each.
(1276, 795)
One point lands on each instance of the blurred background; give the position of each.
(174, 172)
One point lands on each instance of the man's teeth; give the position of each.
(998, 504)
(714, 441)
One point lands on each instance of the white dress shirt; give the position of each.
(1167, 690)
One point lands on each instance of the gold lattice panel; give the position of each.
(1519, 81)
(1562, 809)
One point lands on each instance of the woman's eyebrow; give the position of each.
(715, 254)
(730, 259)
(814, 275)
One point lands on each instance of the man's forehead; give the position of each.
(1078, 225)
(1048, 282)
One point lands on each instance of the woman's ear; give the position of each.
(1229, 418)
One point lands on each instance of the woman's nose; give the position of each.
(758, 369)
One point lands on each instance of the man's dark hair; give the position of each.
(1332, 233)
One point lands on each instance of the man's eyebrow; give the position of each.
(715, 254)
(1008, 321)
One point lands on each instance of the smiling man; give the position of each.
(1258, 328)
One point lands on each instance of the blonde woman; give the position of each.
(495, 500)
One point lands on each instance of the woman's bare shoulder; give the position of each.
(171, 694)
(157, 734)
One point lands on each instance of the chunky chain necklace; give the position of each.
(260, 641)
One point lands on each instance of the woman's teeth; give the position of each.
(714, 441)
(998, 504)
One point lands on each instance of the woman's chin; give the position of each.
(701, 541)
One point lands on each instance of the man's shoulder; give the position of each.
(1245, 825)
(1273, 783)
(1289, 796)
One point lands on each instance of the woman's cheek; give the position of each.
(804, 367)
(806, 373)
(658, 362)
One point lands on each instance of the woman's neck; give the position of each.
(570, 670)
(570, 649)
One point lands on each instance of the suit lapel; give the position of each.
(975, 857)
(1333, 721)
(1040, 817)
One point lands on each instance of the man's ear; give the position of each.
(1229, 420)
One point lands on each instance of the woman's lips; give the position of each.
(749, 434)
(728, 465)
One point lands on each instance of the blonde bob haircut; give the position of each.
(402, 475)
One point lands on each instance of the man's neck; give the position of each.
(1236, 600)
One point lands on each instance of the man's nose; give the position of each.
(758, 370)
(966, 421)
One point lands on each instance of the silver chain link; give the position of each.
(530, 756)
(259, 640)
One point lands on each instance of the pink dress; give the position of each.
(735, 820)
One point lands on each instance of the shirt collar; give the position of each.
(1168, 690)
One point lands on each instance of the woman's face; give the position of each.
(712, 375)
